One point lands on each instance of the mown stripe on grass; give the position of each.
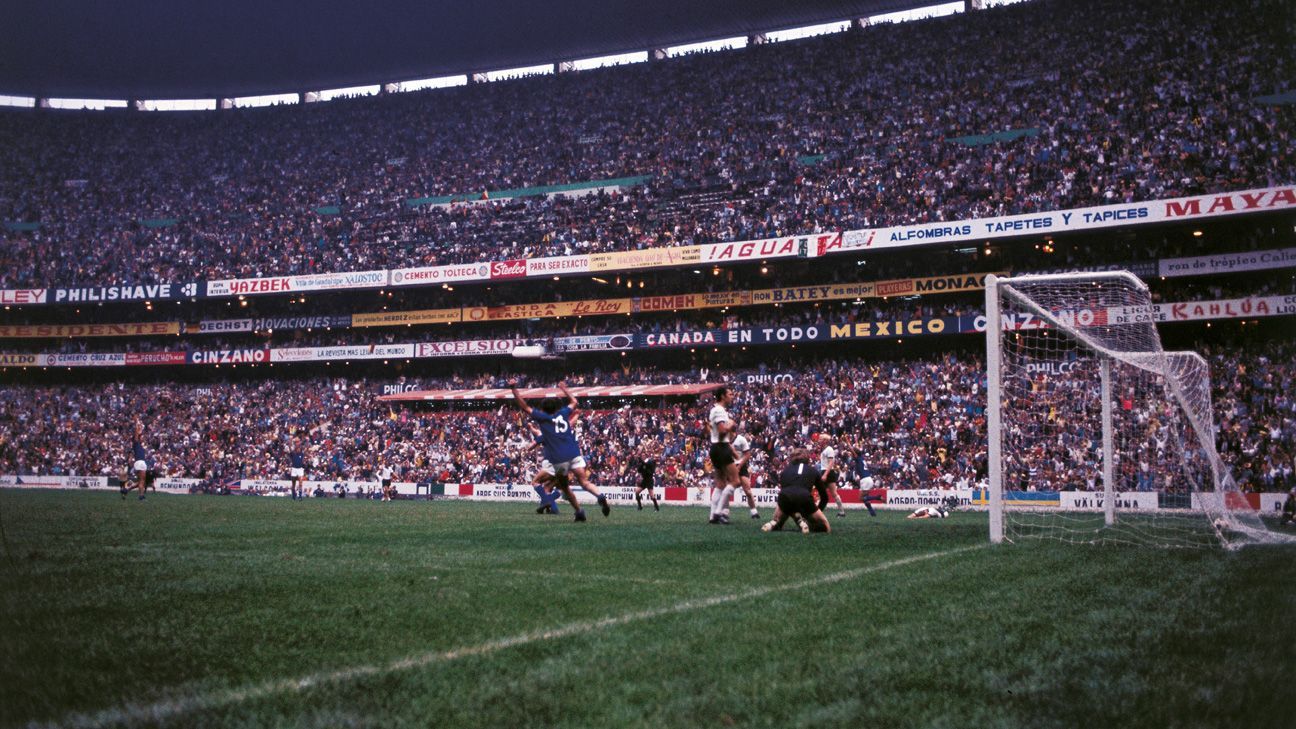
(175, 707)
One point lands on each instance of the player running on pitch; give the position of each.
(559, 444)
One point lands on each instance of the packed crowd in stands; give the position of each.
(912, 423)
(1115, 102)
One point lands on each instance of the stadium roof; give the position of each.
(185, 49)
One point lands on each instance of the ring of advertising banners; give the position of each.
(1200, 207)
(1239, 308)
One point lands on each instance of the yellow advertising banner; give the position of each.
(933, 284)
(829, 292)
(710, 300)
(648, 258)
(401, 318)
(587, 307)
(130, 329)
(674, 302)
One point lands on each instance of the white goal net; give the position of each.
(1097, 434)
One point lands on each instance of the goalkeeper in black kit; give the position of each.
(1289, 509)
(797, 480)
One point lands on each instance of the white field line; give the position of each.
(172, 708)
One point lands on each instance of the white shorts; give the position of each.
(546, 468)
(563, 468)
(141, 466)
(296, 472)
(866, 483)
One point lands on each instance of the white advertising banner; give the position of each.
(467, 348)
(1243, 308)
(324, 354)
(1091, 218)
(282, 487)
(1096, 501)
(293, 284)
(557, 265)
(429, 275)
(90, 359)
(55, 482)
(925, 497)
(23, 296)
(1227, 263)
(620, 495)
(176, 485)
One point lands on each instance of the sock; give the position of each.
(715, 501)
(725, 496)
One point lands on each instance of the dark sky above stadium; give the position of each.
(202, 49)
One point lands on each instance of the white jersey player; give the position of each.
(720, 429)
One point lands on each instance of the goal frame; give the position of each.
(1151, 361)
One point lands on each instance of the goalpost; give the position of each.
(1096, 434)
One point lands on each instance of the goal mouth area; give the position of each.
(1081, 391)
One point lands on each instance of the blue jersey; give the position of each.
(298, 459)
(556, 436)
(138, 449)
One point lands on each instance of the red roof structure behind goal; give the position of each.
(542, 392)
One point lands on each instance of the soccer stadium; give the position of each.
(574, 364)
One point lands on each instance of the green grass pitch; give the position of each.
(231, 611)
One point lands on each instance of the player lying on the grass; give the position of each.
(939, 511)
(558, 441)
(796, 482)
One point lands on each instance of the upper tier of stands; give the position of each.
(1040, 106)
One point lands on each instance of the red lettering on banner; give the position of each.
(597, 306)
(826, 243)
(662, 303)
(259, 286)
(1177, 209)
(1252, 201)
(755, 249)
(1222, 202)
(151, 358)
(891, 288)
(1287, 196)
(515, 268)
(22, 296)
(1229, 203)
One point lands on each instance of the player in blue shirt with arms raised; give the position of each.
(559, 444)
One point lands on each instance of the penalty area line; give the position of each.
(172, 708)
